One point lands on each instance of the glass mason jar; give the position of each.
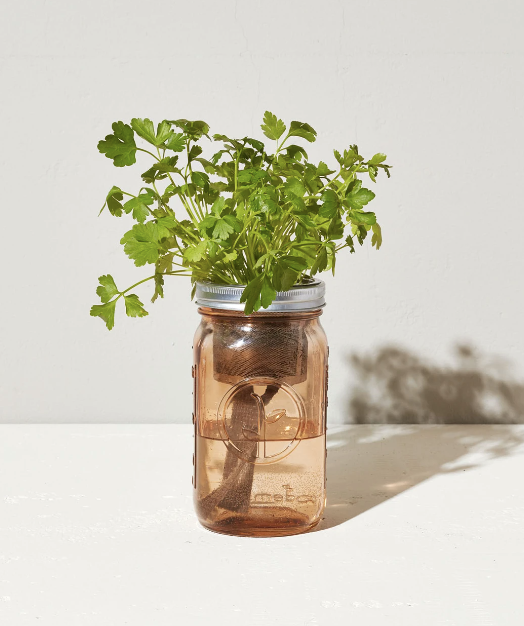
(260, 399)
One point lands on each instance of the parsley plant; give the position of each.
(267, 221)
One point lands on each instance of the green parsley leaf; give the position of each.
(218, 206)
(208, 166)
(305, 220)
(264, 201)
(217, 156)
(320, 263)
(353, 187)
(114, 201)
(251, 175)
(106, 312)
(134, 308)
(159, 286)
(360, 217)
(176, 142)
(360, 231)
(296, 152)
(258, 145)
(230, 256)
(283, 277)
(323, 169)
(195, 252)
(376, 239)
(222, 229)
(194, 153)
(330, 204)
(301, 129)
(272, 127)
(163, 133)
(293, 262)
(207, 223)
(267, 293)
(107, 288)
(235, 223)
(150, 231)
(193, 130)
(167, 164)
(142, 252)
(164, 264)
(336, 228)
(360, 198)
(200, 179)
(159, 170)
(231, 144)
(141, 242)
(139, 206)
(144, 128)
(378, 158)
(251, 295)
(296, 201)
(295, 187)
(120, 146)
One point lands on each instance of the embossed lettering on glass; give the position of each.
(260, 402)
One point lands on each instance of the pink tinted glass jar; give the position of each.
(260, 399)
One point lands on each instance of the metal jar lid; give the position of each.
(307, 297)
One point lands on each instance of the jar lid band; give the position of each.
(305, 297)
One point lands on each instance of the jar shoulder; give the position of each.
(239, 334)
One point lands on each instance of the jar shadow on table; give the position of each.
(398, 389)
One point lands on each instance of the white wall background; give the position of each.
(438, 86)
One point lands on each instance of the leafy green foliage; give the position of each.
(176, 142)
(141, 243)
(139, 205)
(195, 253)
(360, 198)
(106, 312)
(107, 288)
(301, 129)
(120, 146)
(251, 295)
(134, 308)
(272, 126)
(267, 221)
(114, 202)
(146, 130)
(376, 239)
(192, 130)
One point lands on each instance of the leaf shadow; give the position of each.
(464, 410)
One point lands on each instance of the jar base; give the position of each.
(239, 526)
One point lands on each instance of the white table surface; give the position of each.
(424, 526)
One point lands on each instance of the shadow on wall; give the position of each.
(395, 386)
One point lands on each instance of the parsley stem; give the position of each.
(193, 236)
(135, 285)
(327, 184)
(175, 272)
(147, 152)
